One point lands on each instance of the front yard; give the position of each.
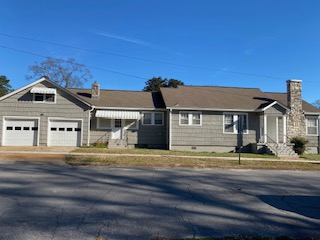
(165, 158)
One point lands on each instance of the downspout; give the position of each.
(170, 128)
(89, 125)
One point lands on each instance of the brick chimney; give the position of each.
(296, 125)
(95, 90)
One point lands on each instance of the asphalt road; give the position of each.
(56, 201)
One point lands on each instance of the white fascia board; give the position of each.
(274, 103)
(211, 109)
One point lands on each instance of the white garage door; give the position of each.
(64, 133)
(20, 132)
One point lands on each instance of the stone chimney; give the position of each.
(296, 125)
(95, 90)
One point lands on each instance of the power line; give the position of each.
(140, 59)
(88, 66)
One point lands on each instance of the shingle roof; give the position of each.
(282, 97)
(213, 97)
(202, 97)
(121, 99)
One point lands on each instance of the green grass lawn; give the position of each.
(174, 161)
(167, 152)
(311, 156)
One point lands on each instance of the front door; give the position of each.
(272, 129)
(117, 129)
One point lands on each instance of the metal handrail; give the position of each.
(276, 151)
(105, 136)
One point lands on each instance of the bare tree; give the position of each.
(316, 103)
(66, 73)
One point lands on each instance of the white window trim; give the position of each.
(44, 95)
(190, 114)
(153, 119)
(316, 118)
(235, 118)
(103, 128)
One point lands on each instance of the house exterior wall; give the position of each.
(22, 105)
(210, 135)
(151, 136)
(275, 110)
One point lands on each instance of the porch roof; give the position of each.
(112, 114)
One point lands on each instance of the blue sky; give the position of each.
(247, 43)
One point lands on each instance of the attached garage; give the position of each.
(64, 132)
(20, 131)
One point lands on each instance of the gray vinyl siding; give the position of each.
(211, 133)
(152, 136)
(66, 106)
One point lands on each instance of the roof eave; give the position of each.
(211, 109)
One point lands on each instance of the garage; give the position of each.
(20, 132)
(64, 132)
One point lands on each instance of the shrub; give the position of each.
(299, 144)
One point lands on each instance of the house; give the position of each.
(195, 118)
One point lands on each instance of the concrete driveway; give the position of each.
(55, 201)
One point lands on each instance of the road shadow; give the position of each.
(308, 206)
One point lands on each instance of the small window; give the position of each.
(9, 128)
(228, 123)
(235, 123)
(103, 123)
(38, 97)
(53, 129)
(196, 119)
(69, 129)
(77, 129)
(49, 97)
(61, 129)
(312, 126)
(184, 118)
(158, 118)
(34, 128)
(17, 128)
(147, 119)
(190, 118)
(26, 128)
(117, 123)
(44, 97)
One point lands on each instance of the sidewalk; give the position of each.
(59, 153)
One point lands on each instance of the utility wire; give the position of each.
(140, 59)
(88, 66)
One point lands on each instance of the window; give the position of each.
(312, 126)
(158, 118)
(104, 123)
(44, 97)
(152, 118)
(147, 119)
(190, 118)
(234, 123)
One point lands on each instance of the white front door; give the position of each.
(272, 129)
(117, 129)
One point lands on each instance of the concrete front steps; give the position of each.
(281, 150)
